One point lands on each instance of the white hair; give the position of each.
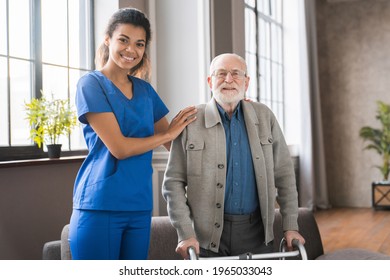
(227, 54)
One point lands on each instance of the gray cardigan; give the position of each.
(194, 182)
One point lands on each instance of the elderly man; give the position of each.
(226, 170)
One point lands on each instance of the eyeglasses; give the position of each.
(222, 74)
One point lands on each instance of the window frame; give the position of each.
(274, 99)
(22, 152)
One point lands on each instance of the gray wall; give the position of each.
(35, 203)
(180, 78)
(353, 38)
(227, 27)
(354, 61)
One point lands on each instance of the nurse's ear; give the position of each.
(107, 41)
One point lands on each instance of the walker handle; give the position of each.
(192, 252)
(296, 245)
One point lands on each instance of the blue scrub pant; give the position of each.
(109, 235)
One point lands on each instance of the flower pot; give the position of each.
(381, 195)
(54, 150)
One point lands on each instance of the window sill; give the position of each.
(41, 161)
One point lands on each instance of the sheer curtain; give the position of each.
(313, 185)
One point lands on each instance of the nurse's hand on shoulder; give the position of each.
(181, 120)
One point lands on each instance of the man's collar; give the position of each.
(225, 115)
(212, 116)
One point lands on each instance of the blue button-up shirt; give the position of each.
(241, 191)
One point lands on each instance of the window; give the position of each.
(44, 45)
(264, 53)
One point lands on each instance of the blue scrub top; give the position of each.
(104, 182)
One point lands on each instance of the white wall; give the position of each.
(103, 10)
(180, 53)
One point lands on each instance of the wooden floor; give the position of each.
(364, 228)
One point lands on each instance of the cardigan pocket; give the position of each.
(266, 142)
(194, 150)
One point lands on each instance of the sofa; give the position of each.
(164, 240)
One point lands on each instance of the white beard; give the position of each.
(228, 98)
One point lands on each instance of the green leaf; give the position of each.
(49, 119)
(379, 138)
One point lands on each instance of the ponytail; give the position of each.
(101, 56)
(142, 70)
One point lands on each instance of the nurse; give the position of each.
(123, 121)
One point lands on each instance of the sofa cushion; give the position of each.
(163, 241)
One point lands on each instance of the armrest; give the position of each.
(65, 249)
(52, 250)
(163, 240)
(308, 228)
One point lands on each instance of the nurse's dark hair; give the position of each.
(126, 16)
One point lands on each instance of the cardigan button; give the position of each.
(220, 166)
(191, 146)
(218, 205)
(219, 186)
(213, 245)
(270, 140)
(217, 225)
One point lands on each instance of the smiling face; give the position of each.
(126, 46)
(228, 81)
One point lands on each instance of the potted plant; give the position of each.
(49, 119)
(379, 141)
